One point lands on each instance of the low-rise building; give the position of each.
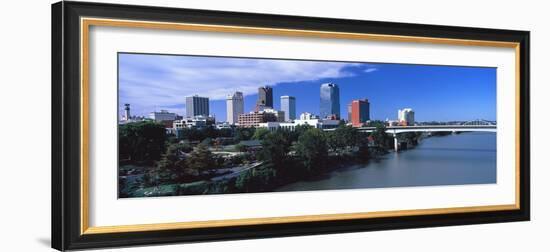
(390, 123)
(193, 122)
(223, 125)
(163, 115)
(253, 119)
(305, 119)
(272, 126)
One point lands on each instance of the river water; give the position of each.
(467, 158)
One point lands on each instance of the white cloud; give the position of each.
(151, 82)
(370, 70)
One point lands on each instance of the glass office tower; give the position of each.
(330, 101)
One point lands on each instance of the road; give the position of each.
(236, 171)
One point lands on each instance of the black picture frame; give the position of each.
(66, 125)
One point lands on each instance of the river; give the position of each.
(457, 159)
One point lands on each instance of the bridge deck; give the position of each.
(432, 128)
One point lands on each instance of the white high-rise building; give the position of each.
(406, 116)
(235, 107)
(288, 105)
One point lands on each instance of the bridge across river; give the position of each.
(394, 130)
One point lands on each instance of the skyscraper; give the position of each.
(235, 107)
(197, 106)
(330, 101)
(265, 97)
(406, 116)
(360, 112)
(288, 105)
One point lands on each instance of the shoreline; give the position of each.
(352, 168)
(227, 186)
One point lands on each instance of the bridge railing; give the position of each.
(426, 127)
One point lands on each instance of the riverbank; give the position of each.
(441, 160)
(259, 177)
(281, 169)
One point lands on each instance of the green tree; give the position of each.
(210, 132)
(225, 132)
(241, 147)
(275, 148)
(342, 138)
(201, 160)
(260, 133)
(243, 134)
(363, 152)
(243, 182)
(256, 180)
(381, 138)
(410, 137)
(141, 141)
(311, 150)
(297, 132)
(171, 168)
(185, 146)
(207, 141)
(191, 134)
(376, 123)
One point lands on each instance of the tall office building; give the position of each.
(197, 106)
(288, 105)
(406, 117)
(330, 101)
(360, 112)
(235, 107)
(265, 97)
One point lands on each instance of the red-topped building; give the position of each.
(360, 112)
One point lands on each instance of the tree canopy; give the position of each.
(381, 138)
(342, 138)
(201, 159)
(260, 134)
(141, 141)
(170, 167)
(275, 148)
(311, 149)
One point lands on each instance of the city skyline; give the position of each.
(388, 87)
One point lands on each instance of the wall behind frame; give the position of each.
(25, 110)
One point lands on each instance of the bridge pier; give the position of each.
(395, 143)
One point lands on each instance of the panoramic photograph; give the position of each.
(201, 125)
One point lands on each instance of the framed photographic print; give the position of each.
(179, 125)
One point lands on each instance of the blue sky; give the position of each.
(441, 93)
